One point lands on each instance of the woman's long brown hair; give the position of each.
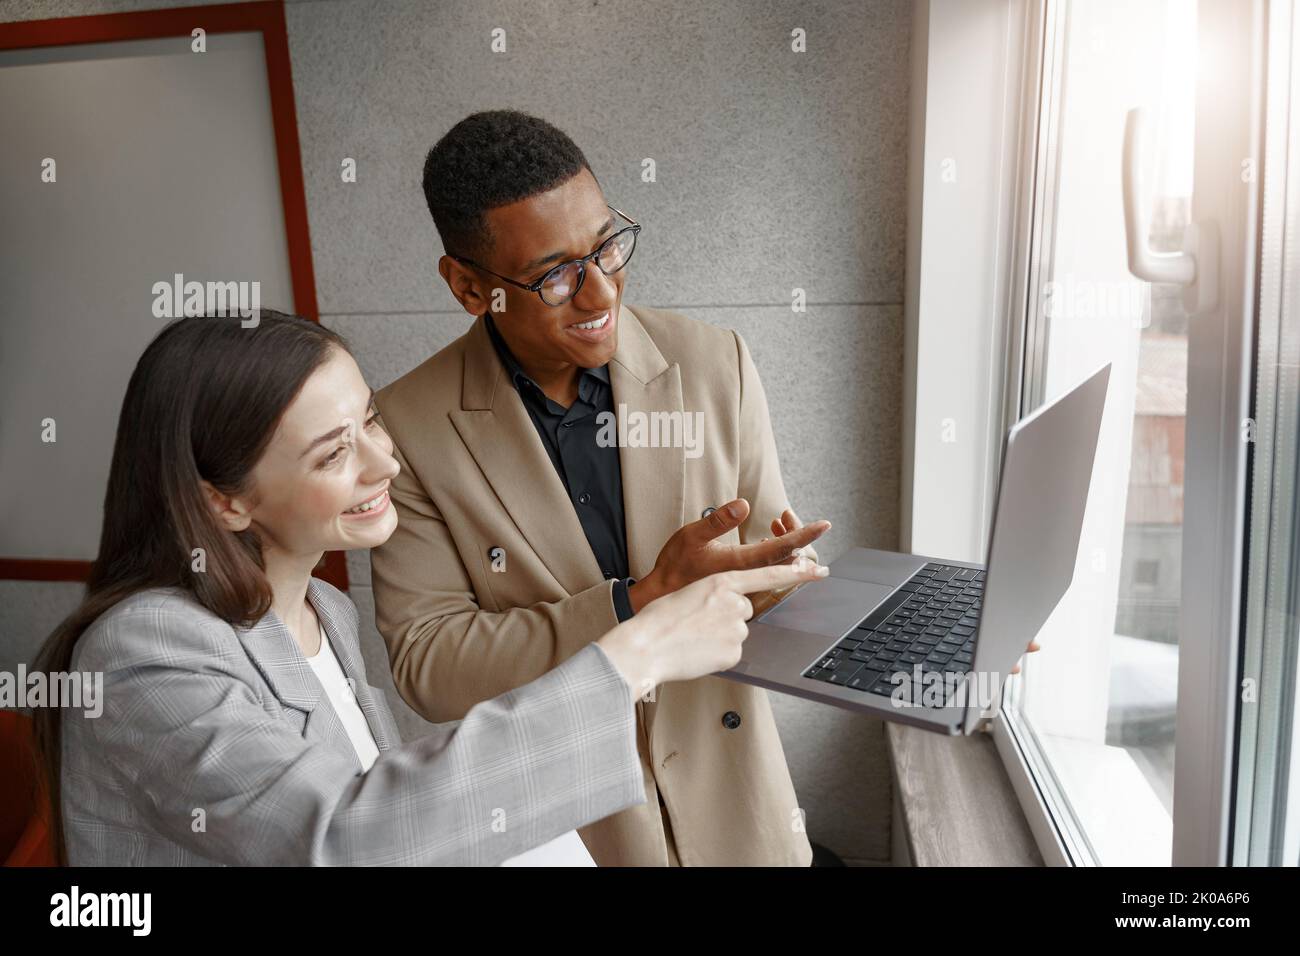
(203, 403)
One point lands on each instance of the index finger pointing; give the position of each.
(774, 576)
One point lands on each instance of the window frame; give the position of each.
(1216, 472)
(1215, 483)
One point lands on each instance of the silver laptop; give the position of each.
(929, 641)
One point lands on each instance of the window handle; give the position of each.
(1196, 267)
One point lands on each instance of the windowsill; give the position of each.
(953, 803)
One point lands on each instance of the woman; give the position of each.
(238, 726)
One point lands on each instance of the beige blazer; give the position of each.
(462, 627)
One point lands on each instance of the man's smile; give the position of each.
(594, 330)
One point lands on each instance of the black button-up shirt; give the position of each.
(591, 474)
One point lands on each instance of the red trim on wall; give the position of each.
(334, 569)
(142, 25)
(266, 17)
(43, 569)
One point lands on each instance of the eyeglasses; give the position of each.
(562, 283)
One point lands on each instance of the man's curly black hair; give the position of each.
(491, 159)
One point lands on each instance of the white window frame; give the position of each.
(980, 70)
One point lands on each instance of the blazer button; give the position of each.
(707, 511)
(731, 720)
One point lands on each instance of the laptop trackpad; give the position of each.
(831, 607)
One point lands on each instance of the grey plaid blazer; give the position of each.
(217, 745)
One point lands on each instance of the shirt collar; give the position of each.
(516, 371)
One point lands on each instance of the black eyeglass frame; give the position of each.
(536, 287)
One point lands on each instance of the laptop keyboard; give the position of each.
(930, 620)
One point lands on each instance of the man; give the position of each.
(555, 480)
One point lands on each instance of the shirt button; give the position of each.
(583, 498)
(568, 424)
(608, 573)
(731, 720)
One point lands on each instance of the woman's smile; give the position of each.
(370, 507)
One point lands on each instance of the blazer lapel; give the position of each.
(279, 659)
(654, 478)
(281, 663)
(500, 435)
(344, 640)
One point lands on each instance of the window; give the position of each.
(1267, 775)
(1158, 724)
(1099, 702)
(1146, 573)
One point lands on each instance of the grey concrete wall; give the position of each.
(776, 171)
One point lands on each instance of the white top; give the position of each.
(341, 695)
(565, 850)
